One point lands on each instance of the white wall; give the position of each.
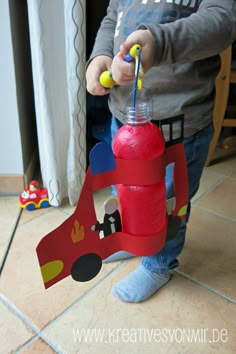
(11, 161)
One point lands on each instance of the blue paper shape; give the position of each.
(101, 158)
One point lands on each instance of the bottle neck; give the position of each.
(138, 115)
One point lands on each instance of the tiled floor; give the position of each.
(194, 313)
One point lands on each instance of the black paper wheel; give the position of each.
(86, 267)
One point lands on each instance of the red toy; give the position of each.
(34, 197)
(75, 248)
(143, 221)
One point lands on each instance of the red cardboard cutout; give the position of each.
(75, 247)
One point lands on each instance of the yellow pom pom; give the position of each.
(140, 84)
(106, 80)
(133, 50)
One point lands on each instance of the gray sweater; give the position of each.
(189, 34)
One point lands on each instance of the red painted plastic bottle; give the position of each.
(142, 208)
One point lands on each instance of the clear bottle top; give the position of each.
(139, 114)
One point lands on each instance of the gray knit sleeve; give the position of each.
(203, 34)
(104, 40)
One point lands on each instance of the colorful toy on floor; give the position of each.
(34, 197)
(141, 220)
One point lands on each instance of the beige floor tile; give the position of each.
(27, 215)
(9, 213)
(21, 280)
(225, 162)
(208, 181)
(233, 175)
(38, 347)
(13, 332)
(155, 326)
(222, 199)
(209, 252)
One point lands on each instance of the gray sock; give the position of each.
(140, 285)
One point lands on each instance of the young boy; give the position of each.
(180, 42)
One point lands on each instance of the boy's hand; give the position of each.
(93, 72)
(124, 73)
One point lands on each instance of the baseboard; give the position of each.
(15, 184)
(11, 184)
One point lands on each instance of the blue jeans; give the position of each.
(196, 150)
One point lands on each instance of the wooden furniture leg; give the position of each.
(221, 99)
